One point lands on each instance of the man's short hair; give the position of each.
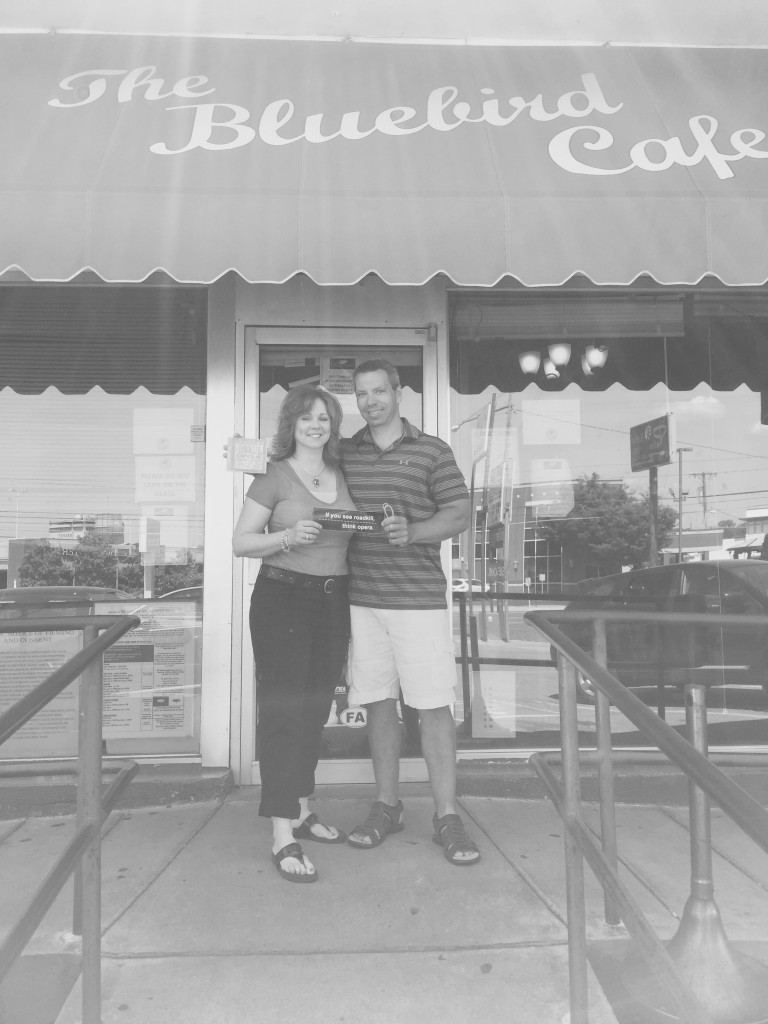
(374, 365)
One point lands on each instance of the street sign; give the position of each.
(650, 444)
(496, 535)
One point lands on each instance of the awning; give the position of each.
(129, 155)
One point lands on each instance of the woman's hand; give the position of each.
(304, 533)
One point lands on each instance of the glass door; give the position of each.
(276, 359)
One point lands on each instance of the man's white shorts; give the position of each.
(394, 649)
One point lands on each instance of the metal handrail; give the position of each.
(705, 781)
(82, 855)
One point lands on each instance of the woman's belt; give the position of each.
(303, 580)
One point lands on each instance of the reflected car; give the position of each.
(462, 586)
(184, 594)
(34, 597)
(646, 654)
(162, 612)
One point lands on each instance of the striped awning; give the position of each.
(130, 155)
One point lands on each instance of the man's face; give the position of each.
(377, 400)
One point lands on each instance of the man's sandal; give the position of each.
(450, 834)
(304, 831)
(295, 851)
(381, 821)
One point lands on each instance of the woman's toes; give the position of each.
(294, 866)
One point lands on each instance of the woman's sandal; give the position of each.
(381, 821)
(304, 831)
(450, 834)
(295, 851)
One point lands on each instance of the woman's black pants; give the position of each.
(300, 640)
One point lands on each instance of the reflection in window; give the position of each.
(103, 391)
(544, 392)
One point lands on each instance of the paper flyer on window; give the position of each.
(494, 707)
(150, 673)
(27, 659)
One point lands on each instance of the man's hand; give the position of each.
(448, 521)
(398, 531)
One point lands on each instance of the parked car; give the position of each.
(462, 586)
(644, 654)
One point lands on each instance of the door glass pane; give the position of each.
(284, 366)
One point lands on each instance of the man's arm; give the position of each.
(446, 522)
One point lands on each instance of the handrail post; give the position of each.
(729, 985)
(605, 770)
(88, 876)
(574, 858)
(501, 610)
(661, 677)
(465, 690)
(702, 886)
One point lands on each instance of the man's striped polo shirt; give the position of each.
(417, 475)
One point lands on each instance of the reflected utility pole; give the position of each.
(17, 491)
(680, 501)
(653, 500)
(703, 492)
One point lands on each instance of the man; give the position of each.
(400, 627)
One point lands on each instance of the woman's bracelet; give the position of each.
(284, 542)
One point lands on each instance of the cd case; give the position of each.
(346, 519)
(246, 455)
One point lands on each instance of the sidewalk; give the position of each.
(199, 928)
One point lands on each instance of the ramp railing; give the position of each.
(82, 855)
(696, 977)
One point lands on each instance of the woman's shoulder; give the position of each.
(271, 482)
(281, 474)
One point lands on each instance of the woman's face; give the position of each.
(313, 427)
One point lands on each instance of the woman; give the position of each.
(299, 615)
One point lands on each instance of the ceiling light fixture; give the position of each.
(560, 353)
(530, 362)
(596, 356)
(551, 372)
(592, 357)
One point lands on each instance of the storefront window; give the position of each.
(546, 391)
(102, 484)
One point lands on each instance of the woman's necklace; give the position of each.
(315, 479)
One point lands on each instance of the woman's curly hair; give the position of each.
(298, 401)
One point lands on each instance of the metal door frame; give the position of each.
(249, 339)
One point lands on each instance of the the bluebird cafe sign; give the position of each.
(649, 444)
(200, 119)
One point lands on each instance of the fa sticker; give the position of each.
(353, 718)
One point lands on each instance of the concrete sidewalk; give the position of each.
(199, 928)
